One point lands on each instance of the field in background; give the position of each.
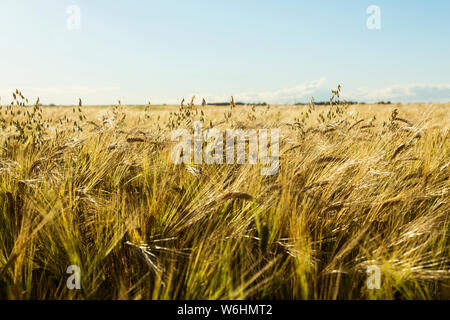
(95, 187)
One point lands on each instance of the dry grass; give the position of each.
(358, 185)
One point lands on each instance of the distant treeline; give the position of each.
(225, 104)
(327, 103)
(384, 102)
(222, 104)
(317, 103)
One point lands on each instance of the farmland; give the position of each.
(95, 187)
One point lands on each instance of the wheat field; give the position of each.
(95, 187)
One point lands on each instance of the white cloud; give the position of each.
(300, 92)
(287, 95)
(419, 92)
(319, 89)
(54, 94)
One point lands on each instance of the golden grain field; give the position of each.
(95, 187)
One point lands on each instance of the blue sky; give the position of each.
(257, 50)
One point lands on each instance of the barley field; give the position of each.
(95, 187)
